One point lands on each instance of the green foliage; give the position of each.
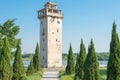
(10, 30)
(103, 72)
(103, 56)
(35, 62)
(64, 76)
(36, 59)
(5, 65)
(35, 76)
(28, 55)
(30, 69)
(91, 66)
(76, 77)
(64, 56)
(70, 69)
(1, 41)
(79, 72)
(113, 67)
(18, 66)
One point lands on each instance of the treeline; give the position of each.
(100, 55)
(28, 55)
(11, 46)
(86, 66)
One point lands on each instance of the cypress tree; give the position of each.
(30, 69)
(36, 59)
(1, 41)
(76, 68)
(70, 69)
(91, 65)
(18, 66)
(79, 72)
(113, 66)
(5, 64)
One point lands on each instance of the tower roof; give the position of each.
(50, 4)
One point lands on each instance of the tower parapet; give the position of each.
(50, 9)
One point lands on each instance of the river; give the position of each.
(101, 63)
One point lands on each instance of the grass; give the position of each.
(63, 76)
(103, 72)
(35, 76)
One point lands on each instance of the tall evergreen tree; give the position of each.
(5, 64)
(18, 66)
(113, 67)
(36, 59)
(30, 69)
(91, 66)
(79, 72)
(70, 68)
(1, 41)
(76, 68)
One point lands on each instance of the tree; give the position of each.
(1, 41)
(30, 69)
(70, 69)
(113, 66)
(76, 68)
(10, 30)
(91, 66)
(79, 72)
(36, 59)
(5, 64)
(18, 66)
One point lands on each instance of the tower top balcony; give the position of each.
(50, 10)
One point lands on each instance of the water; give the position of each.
(101, 63)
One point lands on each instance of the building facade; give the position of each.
(50, 35)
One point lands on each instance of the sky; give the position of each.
(84, 19)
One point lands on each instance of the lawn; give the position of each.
(35, 76)
(63, 76)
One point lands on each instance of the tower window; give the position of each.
(41, 22)
(43, 49)
(56, 40)
(43, 40)
(43, 33)
(52, 32)
(57, 30)
(58, 22)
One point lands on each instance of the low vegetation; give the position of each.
(64, 76)
(35, 76)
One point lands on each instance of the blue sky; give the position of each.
(82, 19)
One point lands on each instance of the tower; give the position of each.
(50, 35)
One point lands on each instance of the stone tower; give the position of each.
(50, 35)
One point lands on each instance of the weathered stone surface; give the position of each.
(50, 36)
